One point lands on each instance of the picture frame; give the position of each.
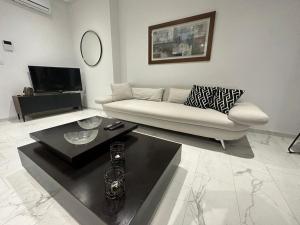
(184, 40)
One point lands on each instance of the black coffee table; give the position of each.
(80, 139)
(150, 165)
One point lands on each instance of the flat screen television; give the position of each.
(55, 79)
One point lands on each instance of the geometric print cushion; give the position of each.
(200, 96)
(224, 99)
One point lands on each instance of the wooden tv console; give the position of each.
(26, 105)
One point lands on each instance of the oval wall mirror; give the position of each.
(91, 48)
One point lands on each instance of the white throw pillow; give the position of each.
(178, 95)
(151, 94)
(121, 91)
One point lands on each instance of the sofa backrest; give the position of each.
(166, 91)
(167, 88)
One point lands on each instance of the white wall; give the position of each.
(256, 48)
(115, 38)
(38, 40)
(93, 15)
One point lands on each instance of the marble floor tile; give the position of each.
(215, 165)
(259, 199)
(170, 212)
(253, 163)
(212, 202)
(255, 181)
(289, 185)
(178, 190)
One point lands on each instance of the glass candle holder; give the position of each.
(114, 179)
(117, 154)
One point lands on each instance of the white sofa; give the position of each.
(178, 117)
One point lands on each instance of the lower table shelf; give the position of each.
(150, 166)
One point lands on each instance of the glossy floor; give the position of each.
(255, 181)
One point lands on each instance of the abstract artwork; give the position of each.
(184, 40)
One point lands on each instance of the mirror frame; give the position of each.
(100, 48)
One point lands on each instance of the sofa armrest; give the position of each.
(248, 114)
(104, 100)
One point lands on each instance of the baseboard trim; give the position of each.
(45, 113)
(9, 118)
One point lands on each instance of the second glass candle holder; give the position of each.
(117, 154)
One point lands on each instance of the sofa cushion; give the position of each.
(177, 95)
(151, 94)
(200, 96)
(121, 91)
(224, 99)
(175, 113)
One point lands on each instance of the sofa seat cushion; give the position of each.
(175, 113)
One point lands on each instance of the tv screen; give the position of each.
(55, 79)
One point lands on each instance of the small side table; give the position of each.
(294, 141)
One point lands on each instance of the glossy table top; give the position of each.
(74, 139)
(146, 160)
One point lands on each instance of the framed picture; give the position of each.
(184, 40)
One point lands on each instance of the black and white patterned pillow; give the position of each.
(200, 96)
(224, 99)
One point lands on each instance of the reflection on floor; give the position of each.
(255, 181)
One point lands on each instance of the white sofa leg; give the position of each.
(223, 144)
